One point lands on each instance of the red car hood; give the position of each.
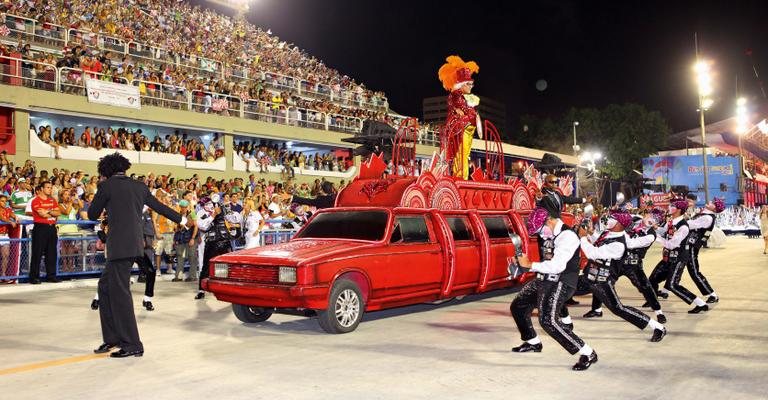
(293, 252)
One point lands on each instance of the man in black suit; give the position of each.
(123, 198)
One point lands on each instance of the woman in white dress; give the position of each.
(254, 223)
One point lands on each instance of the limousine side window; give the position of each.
(410, 229)
(497, 227)
(459, 228)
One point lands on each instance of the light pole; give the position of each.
(742, 120)
(590, 160)
(705, 89)
(576, 154)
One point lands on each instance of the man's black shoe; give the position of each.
(34, 281)
(585, 362)
(662, 295)
(593, 314)
(658, 334)
(122, 353)
(713, 299)
(661, 318)
(571, 302)
(645, 305)
(148, 305)
(527, 347)
(53, 279)
(176, 280)
(141, 279)
(104, 348)
(95, 304)
(199, 295)
(699, 309)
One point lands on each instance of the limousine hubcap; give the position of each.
(347, 308)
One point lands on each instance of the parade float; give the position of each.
(393, 238)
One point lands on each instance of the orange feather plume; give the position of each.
(447, 73)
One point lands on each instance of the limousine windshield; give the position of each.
(360, 225)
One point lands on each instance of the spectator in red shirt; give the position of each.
(7, 216)
(45, 210)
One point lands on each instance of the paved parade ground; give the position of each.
(460, 349)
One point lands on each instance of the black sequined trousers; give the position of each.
(606, 293)
(693, 270)
(548, 297)
(659, 274)
(676, 269)
(639, 280)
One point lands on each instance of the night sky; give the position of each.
(591, 53)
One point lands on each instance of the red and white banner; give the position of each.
(113, 94)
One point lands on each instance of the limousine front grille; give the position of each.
(253, 273)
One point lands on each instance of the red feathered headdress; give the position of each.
(455, 71)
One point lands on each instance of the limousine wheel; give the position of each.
(345, 308)
(251, 314)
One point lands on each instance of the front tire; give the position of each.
(345, 308)
(251, 315)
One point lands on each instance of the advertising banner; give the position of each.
(667, 173)
(113, 94)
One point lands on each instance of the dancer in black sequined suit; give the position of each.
(555, 282)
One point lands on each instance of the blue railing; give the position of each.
(77, 255)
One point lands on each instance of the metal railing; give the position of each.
(32, 74)
(48, 34)
(77, 254)
(72, 80)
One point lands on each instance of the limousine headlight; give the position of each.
(220, 270)
(287, 275)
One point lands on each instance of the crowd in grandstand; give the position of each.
(275, 202)
(192, 148)
(259, 156)
(247, 58)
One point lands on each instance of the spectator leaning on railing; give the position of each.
(9, 218)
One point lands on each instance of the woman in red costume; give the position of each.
(462, 120)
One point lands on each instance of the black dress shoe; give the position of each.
(148, 305)
(571, 302)
(176, 280)
(104, 348)
(661, 318)
(34, 281)
(585, 362)
(53, 279)
(713, 299)
(593, 314)
(141, 279)
(662, 295)
(122, 353)
(699, 309)
(199, 295)
(646, 305)
(527, 347)
(658, 334)
(95, 304)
